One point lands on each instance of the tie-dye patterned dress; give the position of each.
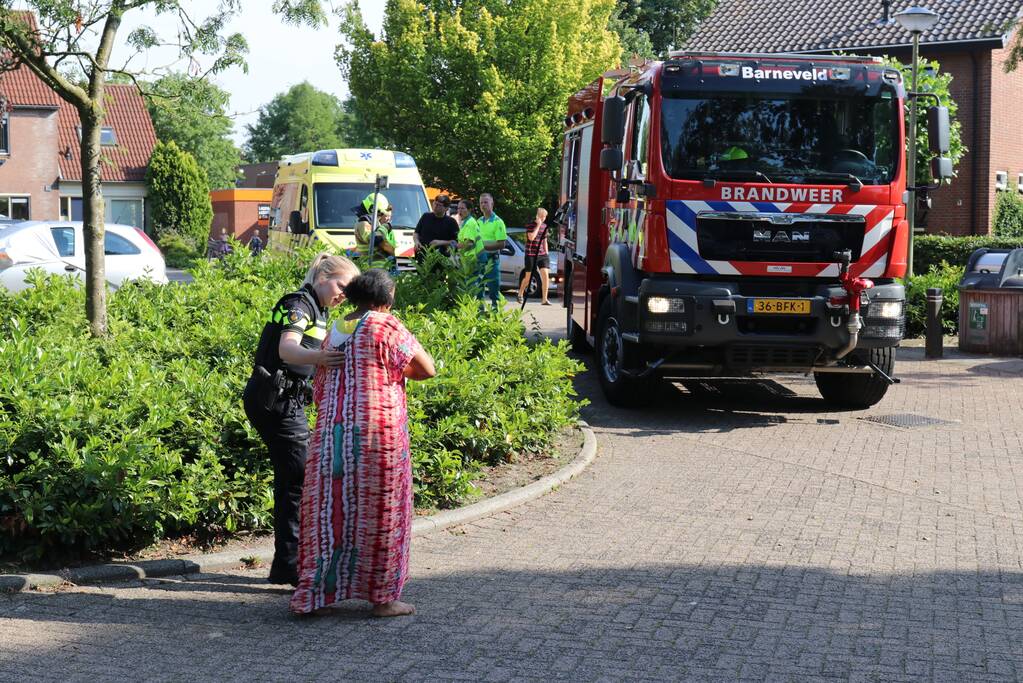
(356, 515)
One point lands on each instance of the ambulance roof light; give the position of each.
(402, 160)
(325, 157)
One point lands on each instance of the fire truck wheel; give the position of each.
(613, 359)
(858, 391)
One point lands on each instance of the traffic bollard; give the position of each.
(935, 341)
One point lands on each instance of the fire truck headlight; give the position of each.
(663, 304)
(886, 309)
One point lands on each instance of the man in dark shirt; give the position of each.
(436, 229)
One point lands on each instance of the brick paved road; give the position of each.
(736, 532)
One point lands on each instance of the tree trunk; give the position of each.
(92, 205)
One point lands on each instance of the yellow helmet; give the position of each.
(734, 153)
(382, 204)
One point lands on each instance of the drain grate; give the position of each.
(906, 420)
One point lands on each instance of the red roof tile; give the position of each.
(133, 131)
(23, 88)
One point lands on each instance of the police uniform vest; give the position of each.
(295, 312)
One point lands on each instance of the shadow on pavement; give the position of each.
(661, 621)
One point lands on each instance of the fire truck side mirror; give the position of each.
(611, 159)
(612, 127)
(938, 138)
(941, 168)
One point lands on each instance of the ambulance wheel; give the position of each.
(858, 391)
(613, 356)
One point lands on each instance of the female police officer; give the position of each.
(275, 396)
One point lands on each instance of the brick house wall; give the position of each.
(1006, 126)
(31, 168)
(954, 208)
(237, 213)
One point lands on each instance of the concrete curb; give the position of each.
(205, 563)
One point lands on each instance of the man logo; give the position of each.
(781, 235)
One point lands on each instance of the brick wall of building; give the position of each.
(31, 165)
(1006, 126)
(955, 208)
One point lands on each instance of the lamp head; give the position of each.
(917, 19)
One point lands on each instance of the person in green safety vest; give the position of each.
(384, 242)
(493, 235)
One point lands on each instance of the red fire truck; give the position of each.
(740, 214)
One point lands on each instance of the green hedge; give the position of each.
(1008, 220)
(111, 444)
(947, 278)
(931, 250)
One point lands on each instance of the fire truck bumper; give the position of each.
(763, 325)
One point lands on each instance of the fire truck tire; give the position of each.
(612, 356)
(858, 391)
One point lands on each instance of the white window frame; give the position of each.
(5, 204)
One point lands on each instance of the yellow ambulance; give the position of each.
(317, 195)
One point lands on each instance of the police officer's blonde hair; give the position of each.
(327, 265)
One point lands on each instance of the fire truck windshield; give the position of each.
(790, 138)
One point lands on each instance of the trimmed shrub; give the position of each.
(1008, 221)
(111, 444)
(930, 251)
(178, 194)
(946, 277)
(178, 251)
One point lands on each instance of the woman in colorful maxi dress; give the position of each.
(357, 499)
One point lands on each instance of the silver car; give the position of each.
(513, 260)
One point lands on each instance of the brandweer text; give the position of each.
(814, 195)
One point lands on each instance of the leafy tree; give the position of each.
(303, 119)
(1008, 220)
(355, 129)
(51, 35)
(476, 90)
(634, 41)
(667, 24)
(930, 79)
(193, 114)
(178, 194)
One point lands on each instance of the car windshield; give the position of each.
(335, 203)
(788, 138)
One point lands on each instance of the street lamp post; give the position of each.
(916, 20)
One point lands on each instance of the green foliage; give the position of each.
(179, 251)
(665, 24)
(1008, 220)
(947, 278)
(930, 79)
(477, 90)
(193, 114)
(931, 250)
(303, 119)
(113, 443)
(178, 194)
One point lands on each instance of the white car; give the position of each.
(59, 247)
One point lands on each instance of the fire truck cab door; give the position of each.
(576, 179)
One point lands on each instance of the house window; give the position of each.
(5, 127)
(106, 136)
(126, 212)
(15, 208)
(71, 208)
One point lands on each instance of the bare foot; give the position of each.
(395, 608)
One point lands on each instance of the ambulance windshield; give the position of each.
(335, 203)
(788, 138)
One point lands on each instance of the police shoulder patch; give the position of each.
(294, 315)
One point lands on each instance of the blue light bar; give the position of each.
(327, 157)
(402, 160)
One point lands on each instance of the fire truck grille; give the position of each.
(733, 238)
(741, 356)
